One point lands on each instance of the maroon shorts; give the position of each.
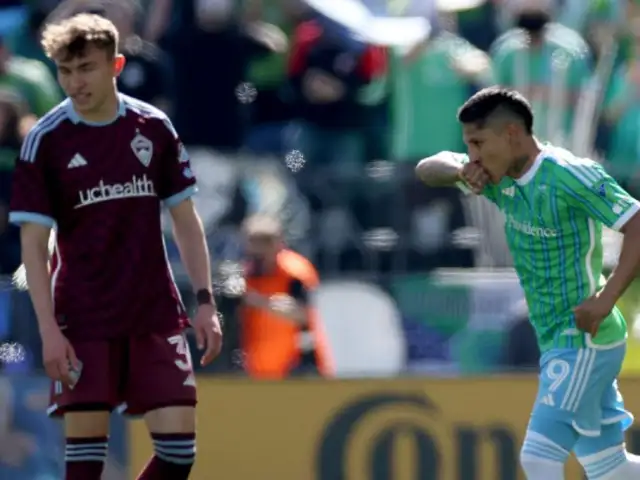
(133, 375)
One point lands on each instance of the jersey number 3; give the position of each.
(183, 362)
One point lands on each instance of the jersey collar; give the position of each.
(529, 174)
(75, 117)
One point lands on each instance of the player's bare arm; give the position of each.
(591, 313)
(59, 357)
(443, 170)
(190, 238)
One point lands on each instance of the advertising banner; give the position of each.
(408, 429)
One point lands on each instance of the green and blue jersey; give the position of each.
(554, 216)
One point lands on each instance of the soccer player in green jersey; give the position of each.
(555, 205)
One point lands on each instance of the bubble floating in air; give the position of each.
(246, 92)
(12, 353)
(220, 319)
(294, 160)
(238, 358)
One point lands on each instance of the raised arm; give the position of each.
(440, 170)
(448, 169)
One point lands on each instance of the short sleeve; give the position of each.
(31, 198)
(177, 181)
(594, 192)
(489, 191)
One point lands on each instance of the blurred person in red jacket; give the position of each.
(281, 333)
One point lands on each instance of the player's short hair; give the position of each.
(71, 37)
(262, 226)
(496, 103)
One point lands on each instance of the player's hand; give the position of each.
(590, 313)
(208, 332)
(475, 176)
(59, 357)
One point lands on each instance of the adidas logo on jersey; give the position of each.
(77, 161)
(137, 187)
(509, 191)
(548, 400)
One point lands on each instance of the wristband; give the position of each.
(204, 297)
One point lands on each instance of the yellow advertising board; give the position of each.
(396, 429)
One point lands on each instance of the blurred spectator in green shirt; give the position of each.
(270, 111)
(428, 85)
(31, 80)
(548, 62)
(622, 114)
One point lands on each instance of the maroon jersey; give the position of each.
(102, 186)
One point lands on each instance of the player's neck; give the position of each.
(524, 162)
(107, 112)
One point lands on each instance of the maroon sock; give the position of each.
(173, 458)
(85, 457)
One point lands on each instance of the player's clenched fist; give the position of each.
(474, 176)
(592, 312)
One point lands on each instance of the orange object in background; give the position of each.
(270, 342)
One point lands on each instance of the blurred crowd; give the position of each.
(285, 111)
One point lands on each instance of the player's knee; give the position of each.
(86, 424)
(607, 464)
(542, 458)
(178, 419)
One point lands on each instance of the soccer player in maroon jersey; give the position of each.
(97, 169)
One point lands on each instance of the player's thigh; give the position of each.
(572, 385)
(86, 406)
(611, 437)
(601, 455)
(161, 380)
(87, 423)
(171, 420)
(598, 400)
